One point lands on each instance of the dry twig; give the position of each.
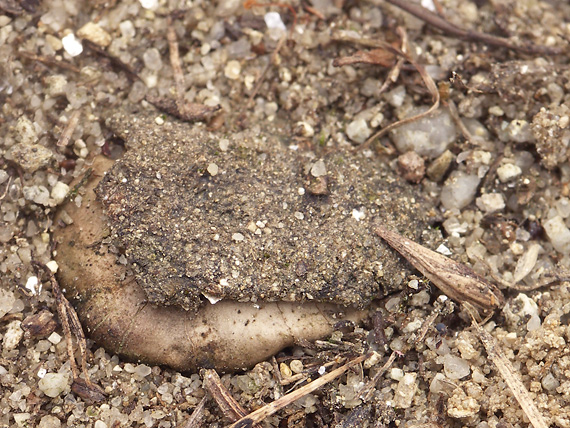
(248, 4)
(114, 61)
(179, 108)
(271, 408)
(473, 139)
(68, 131)
(428, 81)
(72, 327)
(229, 406)
(368, 389)
(508, 373)
(447, 27)
(51, 61)
(194, 421)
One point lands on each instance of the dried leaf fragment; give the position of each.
(41, 324)
(455, 279)
(188, 112)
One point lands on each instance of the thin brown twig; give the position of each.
(229, 406)
(428, 81)
(557, 278)
(175, 63)
(447, 27)
(130, 72)
(197, 414)
(48, 60)
(507, 372)
(7, 188)
(261, 78)
(72, 326)
(368, 389)
(473, 139)
(397, 68)
(271, 408)
(314, 11)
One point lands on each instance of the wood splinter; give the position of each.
(454, 279)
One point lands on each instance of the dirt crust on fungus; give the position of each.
(248, 217)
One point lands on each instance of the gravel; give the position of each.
(499, 195)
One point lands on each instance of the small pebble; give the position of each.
(285, 370)
(21, 419)
(558, 234)
(273, 20)
(213, 169)
(429, 136)
(358, 131)
(396, 96)
(55, 85)
(54, 338)
(53, 266)
(53, 384)
(437, 169)
(31, 157)
(296, 366)
(127, 29)
(152, 59)
(519, 131)
(143, 370)
(459, 190)
(13, 335)
(149, 4)
(25, 131)
(7, 300)
(526, 262)
(49, 421)
(455, 367)
(319, 169)
(224, 144)
(550, 383)
(396, 373)
(232, 70)
(95, 34)
(490, 202)
(411, 167)
(405, 391)
(54, 42)
(371, 361)
(304, 129)
(72, 45)
(59, 192)
(508, 172)
(37, 194)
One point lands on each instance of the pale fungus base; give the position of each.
(115, 312)
(176, 223)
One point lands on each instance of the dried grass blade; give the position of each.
(68, 131)
(509, 374)
(271, 408)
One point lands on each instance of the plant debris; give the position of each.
(499, 185)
